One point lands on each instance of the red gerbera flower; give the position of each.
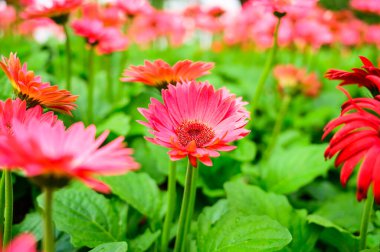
(357, 141)
(196, 121)
(52, 155)
(368, 76)
(159, 73)
(57, 10)
(30, 88)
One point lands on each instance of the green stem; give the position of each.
(185, 208)
(8, 212)
(2, 202)
(277, 126)
(171, 206)
(48, 239)
(267, 68)
(90, 86)
(68, 57)
(191, 206)
(109, 77)
(366, 218)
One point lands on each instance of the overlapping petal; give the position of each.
(357, 142)
(367, 76)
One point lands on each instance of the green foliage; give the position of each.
(111, 247)
(88, 217)
(138, 190)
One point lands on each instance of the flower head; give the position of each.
(58, 10)
(160, 74)
(30, 88)
(281, 7)
(368, 76)
(371, 6)
(292, 79)
(196, 121)
(15, 110)
(52, 155)
(357, 141)
(23, 242)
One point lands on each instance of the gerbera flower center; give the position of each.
(192, 130)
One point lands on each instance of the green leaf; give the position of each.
(144, 242)
(111, 247)
(208, 217)
(154, 159)
(335, 235)
(245, 152)
(139, 190)
(238, 232)
(118, 123)
(288, 170)
(32, 223)
(349, 219)
(251, 199)
(88, 217)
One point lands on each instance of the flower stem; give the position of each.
(171, 205)
(267, 68)
(366, 218)
(2, 202)
(68, 57)
(277, 126)
(186, 211)
(48, 239)
(8, 212)
(90, 86)
(109, 77)
(191, 205)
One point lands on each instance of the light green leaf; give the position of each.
(289, 170)
(237, 232)
(111, 247)
(251, 199)
(88, 217)
(32, 223)
(144, 242)
(118, 123)
(139, 190)
(245, 152)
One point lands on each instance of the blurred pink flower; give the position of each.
(58, 10)
(371, 6)
(293, 80)
(112, 40)
(7, 14)
(284, 6)
(90, 29)
(52, 155)
(134, 8)
(22, 243)
(110, 15)
(196, 121)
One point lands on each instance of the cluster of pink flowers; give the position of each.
(114, 25)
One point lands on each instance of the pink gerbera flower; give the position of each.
(368, 76)
(22, 243)
(196, 121)
(15, 110)
(30, 88)
(58, 10)
(357, 142)
(159, 73)
(52, 155)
